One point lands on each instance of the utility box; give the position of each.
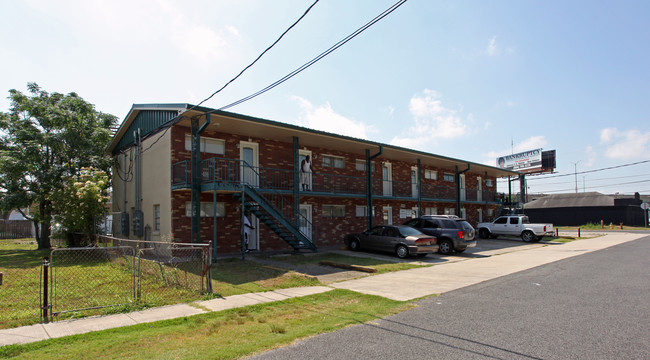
(124, 223)
(138, 229)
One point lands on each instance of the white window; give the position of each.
(333, 210)
(361, 211)
(156, 218)
(431, 211)
(208, 145)
(207, 209)
(449, 177)
(489, 183)
(490, 213)
(450, 211)
(333, 161)
(431, 174)
(361, 165)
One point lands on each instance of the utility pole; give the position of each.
(575, 172)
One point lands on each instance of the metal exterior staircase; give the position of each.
(273, 217)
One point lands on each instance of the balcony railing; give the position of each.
(230, 173)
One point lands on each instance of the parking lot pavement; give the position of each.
(478, 267)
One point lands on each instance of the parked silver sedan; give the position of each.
(402, 240)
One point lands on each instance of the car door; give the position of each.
(389, 238)
(430, 227)
(374, 238)
(514, 228)
(500, 225)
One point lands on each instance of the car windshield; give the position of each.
(449, 224)
(407, 231)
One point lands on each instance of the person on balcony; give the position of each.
(305, 173)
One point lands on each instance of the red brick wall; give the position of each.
(326, 231)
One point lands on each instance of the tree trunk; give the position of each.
(45, 209)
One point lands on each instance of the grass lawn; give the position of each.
(110, 283)
(226, 334)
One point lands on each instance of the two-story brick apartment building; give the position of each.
(160, 179)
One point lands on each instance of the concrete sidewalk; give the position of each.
(402, 285)
(38, 332)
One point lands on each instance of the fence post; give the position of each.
(45, 308)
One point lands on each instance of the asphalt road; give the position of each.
(594, 306)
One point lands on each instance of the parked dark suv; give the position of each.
(453, 233)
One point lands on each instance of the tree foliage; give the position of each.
(81, 203)
(45, 138)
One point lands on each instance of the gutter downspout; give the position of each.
(196, 176)
(369, 208)
(458, 173)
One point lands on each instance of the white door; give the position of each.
(250, 156)
(388, 215)
(479, 189)
(305, 220)
(307, 179)
(415, 212)
(253, 240)
(463, 195)
(387, 178)
(480, 215)
(414, 182)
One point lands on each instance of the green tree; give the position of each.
(81, 203)
(43, 139)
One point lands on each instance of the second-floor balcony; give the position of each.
(230, 174)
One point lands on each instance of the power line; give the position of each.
(178, 117)
(259, 57)
(601, 186)
(319, 57)
(590, 171)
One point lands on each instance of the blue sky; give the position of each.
(472, 80)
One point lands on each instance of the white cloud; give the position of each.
(532, 143)
(433, 122)
(134, 26)
(324, 118)
(492, 49)
(625, 144)
(591, 156)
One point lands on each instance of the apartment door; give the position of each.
(387, 178)
(479, 189)
(306, 220)
(305, 179)
(388, 215)
(463, 193)
(250, 156)
(414, 182)
(253, 240)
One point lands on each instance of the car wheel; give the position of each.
(527, 236)
(483, 233)
(446, 247)
(402, 251)
(354, 245)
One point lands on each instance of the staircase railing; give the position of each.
(233, 173)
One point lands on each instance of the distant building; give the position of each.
(584, 208)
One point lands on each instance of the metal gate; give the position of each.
(91, 278)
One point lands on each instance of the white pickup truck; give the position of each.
(517, 225)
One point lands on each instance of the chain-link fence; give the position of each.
(115, 273)
(20, 286)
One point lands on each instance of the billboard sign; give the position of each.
(527, 161)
